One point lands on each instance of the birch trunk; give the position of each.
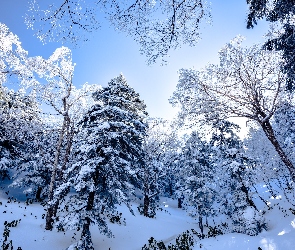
(70, 134)
(268, 130)
(50, 207)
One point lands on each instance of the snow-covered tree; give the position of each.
(195, 182)
(13, 59)
(20, 120)
(157, 176)
(247, 82)
(33, 172)
(282, 12)
(19, 124)
(171, 150)
(108, 156)
(234, 180)
(283, 124)
(55, 87)
(270, 169)
(157, 26)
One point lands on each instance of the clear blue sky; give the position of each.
(110, 53)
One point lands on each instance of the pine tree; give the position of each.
(108, 154)
(19, 125)
(6, 160)
(34, 171)
(235, 173)
(196, 184)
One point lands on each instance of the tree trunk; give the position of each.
(201, 225)
(86, 234)
(246, 191)
(146, 204)
(70, 134)
(50, 207)
(179, 202)
(171, 189)
(248, 199)
(38, 194)
(268, 130)
(90, 201)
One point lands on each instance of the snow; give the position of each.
(249, 213)
(170, 221)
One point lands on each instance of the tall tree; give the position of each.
(196, 178)
(157, 26)
(33, 172)
(13, 59)
(19, 126)
(55, 87)
(273, 11)
(19, 112)
(234, 178)
(108, 156)
(158, 174)
(271, 170)
(247, 82)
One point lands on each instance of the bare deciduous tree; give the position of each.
(248, 82)
(59, 92)
(157, 26)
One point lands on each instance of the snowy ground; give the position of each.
(29, 234)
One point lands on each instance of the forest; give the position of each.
(87, 162)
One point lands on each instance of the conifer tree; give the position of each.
(196, 181)
(108, 154)
(19, 125)
(235, 173)
(34, 171)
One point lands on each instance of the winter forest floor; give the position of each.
(29, 233)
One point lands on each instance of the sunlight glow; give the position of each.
(282, 233)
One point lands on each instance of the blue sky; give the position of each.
(109, 53)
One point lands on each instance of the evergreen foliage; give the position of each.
(101, 160)
(34, 171)
(196, 178)
(19, 124)
(6, 243)
(277, 11)
(108, 156)
(235, 173)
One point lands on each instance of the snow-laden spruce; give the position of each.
(216, 180)
(235, 179)
(19, 125)
(108, 157)
(195, 181)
